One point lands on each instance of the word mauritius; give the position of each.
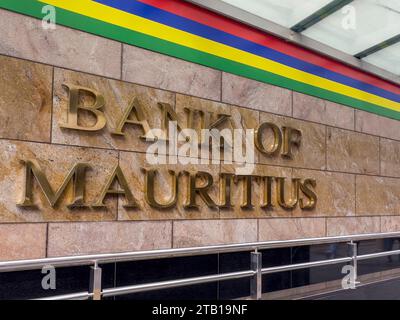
(204, 138)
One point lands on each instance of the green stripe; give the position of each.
(80, 22)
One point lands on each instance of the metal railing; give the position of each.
(96, 292)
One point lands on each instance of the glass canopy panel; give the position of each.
(359, 25)
(283, 12)
(388, 59)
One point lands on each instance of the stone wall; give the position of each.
(353, 155)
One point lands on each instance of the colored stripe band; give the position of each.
(107, 22)
(157, 30)
(198, 14)
(166, 18)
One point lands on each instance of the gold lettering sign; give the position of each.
(198, 187)
(269, 139)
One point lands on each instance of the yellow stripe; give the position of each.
(129, 21)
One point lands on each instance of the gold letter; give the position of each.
(247, 189)
(136, 107)
(77, 173)
(312, 197)
(194, 190)
(168, 114)
(290, 137)
(225, 190)
(190, 118)
(118, 176)
(281, 193)
(149, 190)
(275, 145)
(221, 118)
(267, 194)
(207, 121)
(72, 112)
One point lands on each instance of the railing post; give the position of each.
(354, 263)
(95, 282)
(256, 280)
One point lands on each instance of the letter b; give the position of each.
(73, 108)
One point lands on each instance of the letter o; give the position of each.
(275, 146)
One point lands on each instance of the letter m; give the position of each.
(33, 171)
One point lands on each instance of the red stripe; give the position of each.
(241, 30)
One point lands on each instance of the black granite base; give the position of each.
(27, 284)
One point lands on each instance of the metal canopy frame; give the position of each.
(319, 15)
(300, 39)
(378, 47)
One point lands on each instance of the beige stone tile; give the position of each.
(164, 72)
(134, 162)
(390, 157)
(240, 118)
(107, 237)
(335, 192)
(378, 125)
(323, 111)
(213, 232)
(22, 241)
(257, 193)
(377, 195)
(349, 151)
(24, 37)
(25, 100)
(390, 224)
(287, 229)
(256, 95)
(352, 226)
(117, 95)
(56, 162)
(311, 152)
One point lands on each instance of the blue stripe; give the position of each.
(181, 23)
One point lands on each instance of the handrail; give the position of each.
(305, 265)
(378, 255)
(18, 265)
(96, 292)
(73, 296)
(176, 283)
